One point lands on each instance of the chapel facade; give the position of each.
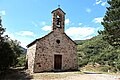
(55, 51)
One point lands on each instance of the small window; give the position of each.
(39, 65)
(58, 41)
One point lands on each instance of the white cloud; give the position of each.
(24, 42)
(67, 21)
(43, 23)
(72, 23)
(25, 33)
(101, 2)
(88, 10)
(98, 1)
(98, 20)
(46, 28)
(10, 35)
(2, 12)
(80, 32)
(80, 24)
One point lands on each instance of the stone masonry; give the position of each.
(41, 53)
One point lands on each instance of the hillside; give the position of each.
(23, 49)
(97, 51)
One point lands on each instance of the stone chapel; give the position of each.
(55, 51)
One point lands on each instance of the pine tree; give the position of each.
(111, 23)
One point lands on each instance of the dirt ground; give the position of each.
(74, 76)
(19, 74)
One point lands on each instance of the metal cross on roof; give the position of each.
(58, 6)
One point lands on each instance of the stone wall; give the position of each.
(41, 55)
(31, 57)
(47, 47)
(54, 20)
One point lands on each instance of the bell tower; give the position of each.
(58, 20)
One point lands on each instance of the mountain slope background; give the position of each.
(98, 51)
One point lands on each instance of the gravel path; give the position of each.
(73, 76)
(24, 75)
(93, 77)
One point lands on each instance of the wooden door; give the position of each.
(57, 62)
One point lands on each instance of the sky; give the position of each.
(27, 20)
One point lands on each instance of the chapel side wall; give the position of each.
(30, 57)
(43, 57)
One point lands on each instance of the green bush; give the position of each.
(21, 61)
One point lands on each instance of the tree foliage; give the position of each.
(9, 50)
(21, 61)
(96, 50)
(111, 23)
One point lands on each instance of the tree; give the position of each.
(9, 50)
(16, 51)
(111, 23)
(97, 50)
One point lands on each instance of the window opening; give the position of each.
(58, 21)
(58, 41)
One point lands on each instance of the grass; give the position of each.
(96, 69)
